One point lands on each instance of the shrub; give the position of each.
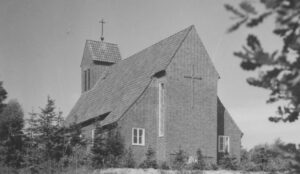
(150, 161)
(200, 164)
(128, 160)
(180, 159)
(108, 150)
(164, 166)
(228, 162)
(211, 166)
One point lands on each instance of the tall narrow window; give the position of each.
(138, 136)
(89, 79)
(93, 136)
(224, 143)
(85, 80)
(161, 115)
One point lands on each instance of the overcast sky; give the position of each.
(42, 41)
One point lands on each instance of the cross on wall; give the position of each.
(193, 78)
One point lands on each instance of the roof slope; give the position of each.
(222, 107)
(126, 81)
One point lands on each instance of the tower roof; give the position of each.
(102, 51)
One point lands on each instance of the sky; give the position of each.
(42, 41)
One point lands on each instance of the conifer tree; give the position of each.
(278, 71)
(11, 134)
(46, 138)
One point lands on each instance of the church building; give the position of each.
(163, 97)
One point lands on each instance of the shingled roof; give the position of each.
(126, 81)
(102, 51)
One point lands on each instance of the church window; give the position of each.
(161, 115)
(138, 136)
(87, 80)
(93, 136)
(224, 144)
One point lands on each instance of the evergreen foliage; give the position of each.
(46, 139)
(180, 159)
(228, 162)
(129, 161)
(108, 149)
(3, 96)
(277, 71)
(150, 161)
(278, 157)
(11, 135)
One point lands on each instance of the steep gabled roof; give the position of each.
(102, 51)
(126, 81)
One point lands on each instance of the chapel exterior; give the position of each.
(163, 97)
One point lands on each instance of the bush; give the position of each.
(128, 160)
(200, 164)
(229, 162)
(164, 166)
(150, 161)
(107, 150)
(180, 160)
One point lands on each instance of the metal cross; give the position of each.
(102, 31)
(193, 78)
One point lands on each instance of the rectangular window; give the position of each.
(93, 136)
(89, 79)
(161, 115)
(138, 136)
(85, 80)
(224, 143)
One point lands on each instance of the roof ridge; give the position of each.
(175, 52)
(180, 44)
(87, 40)
(188, 28)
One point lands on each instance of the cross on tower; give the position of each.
(192, 77)
(102, 31)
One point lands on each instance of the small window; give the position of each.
(138, 136)
(161, 115)
(224, 144)
(87, 80)
(93, 136)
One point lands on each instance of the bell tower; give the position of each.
(98, 57)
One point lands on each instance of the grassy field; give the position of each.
(153, 171)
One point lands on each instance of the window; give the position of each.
(161, 115)
(138, 136)
(93, 136)
(87, 80)
(224, 144)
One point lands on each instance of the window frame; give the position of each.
(138, 136)
(93, 136)
(89, 79)
(161, 105)
(225, 143)
(85, 80)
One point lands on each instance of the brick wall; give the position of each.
(192, 127)
(227, 127)
(142, 114)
